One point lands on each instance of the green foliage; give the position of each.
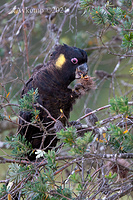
(50, 156)
(127, 144)
(85, 3)
(127, 41)
(3, 190)
(80, 187)
(131, 70)
(127, 25)
(21, 147)
(120, 139)
(18, 172)
(68, 136)
(65, 192)
(116, 137)
(2, 52)
(107, 14)
(120, 106)
(77, 144)
(41, 187)
(13, 173)
(81, 144)
(44, 182)
(75, 178)
(99, 15)
(114, 15)
(38, 189)
(111, 176)
(28, 101)
(104, 14)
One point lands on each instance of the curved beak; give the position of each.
(81, 71)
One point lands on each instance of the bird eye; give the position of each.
(74, 60)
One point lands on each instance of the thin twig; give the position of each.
(25, 39)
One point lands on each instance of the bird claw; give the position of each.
(76, 124)
(58, 126)
(79, 89)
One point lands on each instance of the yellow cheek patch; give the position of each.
(60, 61)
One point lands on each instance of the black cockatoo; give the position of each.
(52, 80)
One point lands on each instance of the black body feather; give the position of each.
(54, 94)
